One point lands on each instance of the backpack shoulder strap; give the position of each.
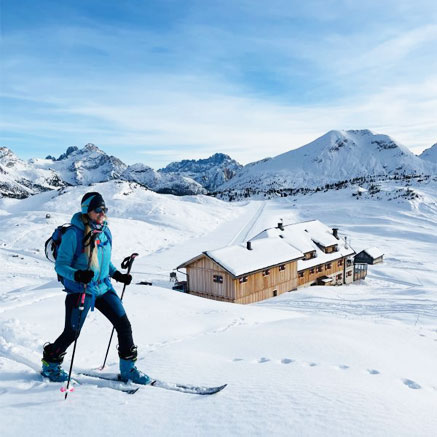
(79, 240)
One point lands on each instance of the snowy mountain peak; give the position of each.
(69, 151)
(92, 148)
(338, 155)
(210, 172)
(7, 156)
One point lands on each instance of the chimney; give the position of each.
(335, 232)
(281, 226)
(249, 245)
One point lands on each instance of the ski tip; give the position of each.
(219, 388)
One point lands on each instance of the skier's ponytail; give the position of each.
(94, 264)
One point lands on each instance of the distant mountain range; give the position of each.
(336, 156)
(20, 179)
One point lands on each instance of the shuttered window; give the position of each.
(218, 279)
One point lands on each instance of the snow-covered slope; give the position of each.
(336, 156)
(352, 361)
(169, 183)
(20, 179)
(210, 173)
(430, 154)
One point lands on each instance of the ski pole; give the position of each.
(81, 308)
(126, 263)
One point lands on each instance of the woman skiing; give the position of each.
(84, 263)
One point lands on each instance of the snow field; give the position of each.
(355, 360)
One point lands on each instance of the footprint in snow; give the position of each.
(373, 371)
(237, 359)
(343, 367)
(411, 384)
(286, 361)
(263, 360)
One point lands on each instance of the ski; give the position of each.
(183, 388)
(78, 381)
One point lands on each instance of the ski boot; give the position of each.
(128, 370)
(51, 365)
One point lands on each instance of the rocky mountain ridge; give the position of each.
(331, 160)
(210, 173)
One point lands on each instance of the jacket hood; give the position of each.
(76, 220)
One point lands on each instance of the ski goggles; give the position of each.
(100, 209)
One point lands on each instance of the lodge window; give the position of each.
(243, 279)
(339, 277)
(340, 262)
(275, 293)
(266, 272)
(310, 255)
(282, 268)
(360, 267)
(319, 269)
(300, 274)
(311, 270)
(218, 279)
(327, 266)
(349, 273)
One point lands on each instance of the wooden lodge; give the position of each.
(275, 261)
(327, 257)
(244, 273)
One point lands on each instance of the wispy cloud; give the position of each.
(244, 78)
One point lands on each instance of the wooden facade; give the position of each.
(208, 279)
(334, 269)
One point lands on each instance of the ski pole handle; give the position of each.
(128, 261)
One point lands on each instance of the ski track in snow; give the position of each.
(242, 235)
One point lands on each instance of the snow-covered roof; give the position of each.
(374, 252)
(304, 236)
(266, 252)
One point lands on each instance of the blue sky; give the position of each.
(159, 81)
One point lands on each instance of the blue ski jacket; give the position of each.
(70, 258)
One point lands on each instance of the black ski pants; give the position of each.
(110, 305)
